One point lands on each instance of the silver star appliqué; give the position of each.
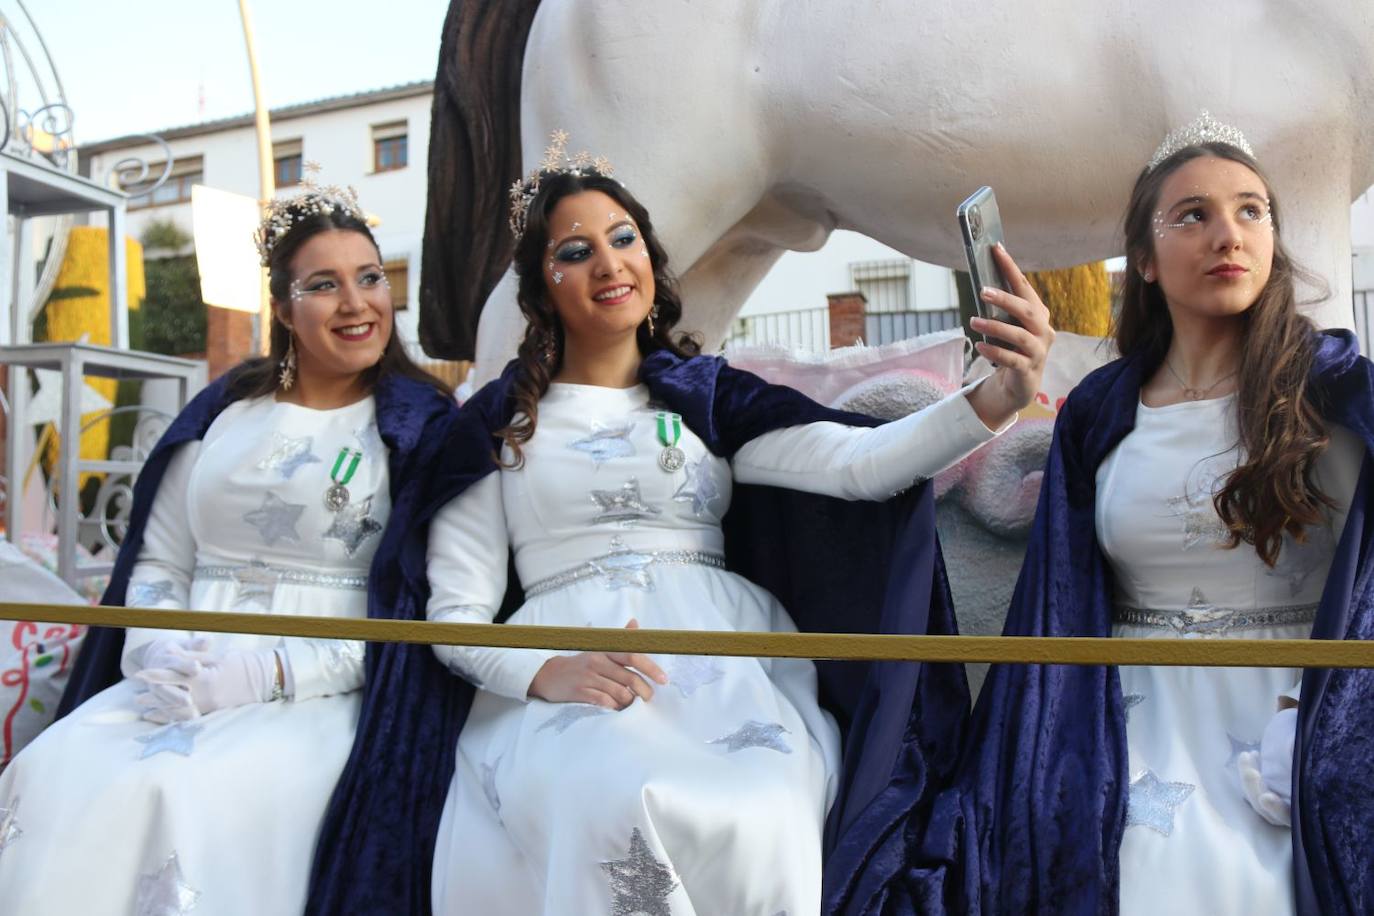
(606, 442)
(288, 455)
(624, 506)
(569, 714)
(625, 569)
(756, 734)
(689, 673)
(165, 891)
(370, 441)
(254, 586)
(149, 594)
(275, 519)
(640, 884)
(1201, 524)
(1152, 802)
(352, 525)
(177, 738)
(1131, 701)
(9, 825)
(699, 488)
(1298, 561)
(489, 785)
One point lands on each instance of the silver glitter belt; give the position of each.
(262, 573)
(1214, 621)
(625, 569)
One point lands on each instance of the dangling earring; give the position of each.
(652, 312)
(549, 352)
(287, 376)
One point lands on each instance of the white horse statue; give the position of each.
(752, 128)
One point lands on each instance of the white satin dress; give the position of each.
(217, 815)
(1193, 844)
(710, 798)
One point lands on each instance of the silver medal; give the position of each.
(336, 497)
(672, 459)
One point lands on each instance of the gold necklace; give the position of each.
(1195, 394)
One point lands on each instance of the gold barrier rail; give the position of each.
(1040, 650)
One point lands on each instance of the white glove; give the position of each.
(1266, 775)
(236, 678)
(180, 654)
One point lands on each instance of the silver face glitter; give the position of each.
(177, 738)
(165, 892)
(575, 226)
(557, 278)
(756, 734)
(569, 714)
(1152, 802)
(640, 884)
(275, 519)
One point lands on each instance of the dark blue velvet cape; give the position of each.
(1034, 818)
(408, 412)
(835, 565)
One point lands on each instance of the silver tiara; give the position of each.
(556, 161)
(312, 200)
(1203, 129)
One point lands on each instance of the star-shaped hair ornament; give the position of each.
(1202, 129)
(556, 161)
(313, 199)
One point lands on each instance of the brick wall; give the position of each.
(228, 339)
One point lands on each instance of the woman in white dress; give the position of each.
(198, 780)
(612, 783)
(1198, 488)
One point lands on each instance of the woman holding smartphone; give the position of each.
(1209, 484)
(605, 459)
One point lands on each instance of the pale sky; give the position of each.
(145, 65)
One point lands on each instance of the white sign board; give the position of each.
(223, 223)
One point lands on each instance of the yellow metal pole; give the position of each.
(266, 174)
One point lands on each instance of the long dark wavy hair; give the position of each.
(541, 350)
(258, 377)
(1281, 431)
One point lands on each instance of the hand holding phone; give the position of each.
(980, 225)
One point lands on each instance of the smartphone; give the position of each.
(980, 224)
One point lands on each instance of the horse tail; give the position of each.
(474, 156)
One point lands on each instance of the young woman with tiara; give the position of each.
(1212, 483)
(606, 458)
(194, 773)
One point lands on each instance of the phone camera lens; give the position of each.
(975, 223)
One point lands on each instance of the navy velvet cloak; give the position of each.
(835, 565)
(1034, 818)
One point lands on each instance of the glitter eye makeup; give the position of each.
(573, 251)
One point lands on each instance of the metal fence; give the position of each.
(885, 327)
(806, 329)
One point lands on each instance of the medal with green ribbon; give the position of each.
(671, 458)
(345, 466)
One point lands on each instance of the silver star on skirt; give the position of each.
(165, 891)
(177, 738)
(569, 714)
(9, 825)
(149, 594)
(756, 734)
(640, 884)
(1152, 802)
